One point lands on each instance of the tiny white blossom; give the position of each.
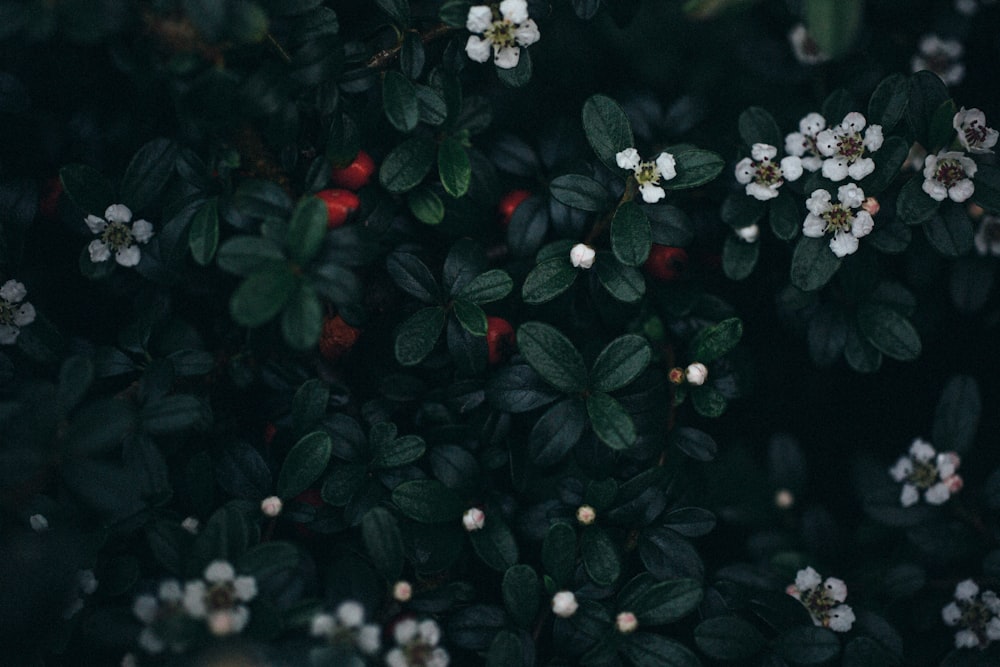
(347, 626)
(846, 219)
(844, 148)
(948, 175)
(940, 56)
(474, 519)
(417, 645)
(118, 235)
(924, 471)
(564, 604)
(696, 374)
(805, 48)
(219, 598)
(762, 176)
(975, 137)
(402, 591)
(987, 238)
(502, 33)
(976, 615)
(586, 514)
(582, 256)
(159, 613)
(38, 523)
(271, 506)
(626, 622)
(191, 525)
(648, 174)
(802, 144)
(821, 599)
(14, 311)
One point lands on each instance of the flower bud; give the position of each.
(626, 622)
(564, 604)
(474, 519)
(749, 234)
(784, 499)
(38, 523)
(696, 374)
(954, 483)
(402, 591)
(585, 514)
(271, 506)
(871, 205)
(582, 256)
(676, 375)
(191, 525)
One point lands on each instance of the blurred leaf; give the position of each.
(262, 296)
(956, 417)
(87, 188)
(494, 543)
(203, 235)
(891, 333)
(100, 426)
(804, 645)
(425, 205)
(739, 257)
(243, 255)
(383, 542)
(176, 413)
(411, 55)
(784, 216)
(520, 75)
(600, 556)
(757, 126)
(306, 229)
(696, 444)
(987, 192)
(559, 553)
(888, 103)
(147, 174)
(717, 340)
(950, 232)
(406, 165)
(889, 162)
(834, 24)
(556, 431)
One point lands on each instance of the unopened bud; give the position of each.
(564, 604)
(954, 483)
(585, 514)
(271, 506)
(38, 523)
(402, 591)
(191, 525)
(749, 234)
(626, 622)
(582, 256)
(871, 205)
(676, 375)
(474, 519)
(784, 499)
(696, 374)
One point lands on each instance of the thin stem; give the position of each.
(384, 58)
(281, 51)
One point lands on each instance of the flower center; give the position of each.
(647, 172)
(818, 602)
(924, 474)
(117, 235)
(221, 596)
(975, 616)
(838, 218)
(975, 133)
(418, 654)
(767, 173)
(850, 146)
(501, 33)
(949, 172)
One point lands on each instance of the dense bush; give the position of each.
(569, 332)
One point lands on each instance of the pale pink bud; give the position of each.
(564, 604)
(626, 622)
(871, 205)
(474, 519)
(402, 591)
(954, 483)
(586, 514)
(271, 506)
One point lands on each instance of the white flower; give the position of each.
(966, 590)
(502, 33)
(417, 645)
(564, 604)
(802, 144)
(648, 174)
(749, 234)
(987, 237)
(582, 256)
(948, 175)
(941, 56)
(925, 471)
(976, 614)
(347, 627)
(973, 134)
(474, 519)
(38, 523)
(843, 148)
(821, 600)
(271, 506)
(13, 313)
(696, 374)
(761, 176)
(846, 219)
(805, 48)
(161, 613)
(118, 235)
(219, 598)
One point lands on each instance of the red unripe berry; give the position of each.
(509, 203)
(666, 263)
(499, 339)
(337, 338)
(355, 175)
(340, 204)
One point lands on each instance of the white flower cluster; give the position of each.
(823, 599)
(762, 176)
(118, 235)
(417, 645)
(940, 56)
(978, 614)
(925, 471)
(347, 626)
(15, 312)
(648, 174)
(845, 219)
(218, 598)
(840, 151)
(948, 175)
(502, 33)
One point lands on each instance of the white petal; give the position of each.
(219, 571)
(818, 202)
(966, 639)
(909, 495)
(145, 607)
(429, 632)
(843, 244)
(194, 599)
(762, 192)
(951, 614)
(807, 579)
(991, 601)
(128, 256)
(171, 591)
(947, 464)
(651, 193)
(149, 642)
(322, 625)
(478, 49)
(813, 226)
(95, 224)
(396, 658)
(8, 334)
(795, 144)
(582, 256)
(480, 18)
(835, 168)
(841, 618)
(935, 189)
(369, 639)
(99, 251)
(351, 614)
(966, 590)
(507, 57)
(791, 168)
(142, 230)
(862, 225)
(515, 11)
(761, 152)
(861, 168)
(744, 171)
(239, 618)
(667, 165)
(812, 124)
(118, 213)
(854, 122)
(937, 494)
(850, 195)
(961, 191)
(921, 450)
(405, 631)
(826, 142)
(993, 629)
(245, 588)
(527, 33)
(812, 163)
(628, 159)
(13, 291)
(24, 315)
(836, 588)
(874, 137)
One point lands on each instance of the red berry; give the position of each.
(340, 204)
(509, 203)
(355, 175)
(337, 338)
(499, 339)
(666, 263)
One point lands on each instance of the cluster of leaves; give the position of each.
(196, 384)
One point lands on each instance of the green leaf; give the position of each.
(581, 192)
(425, 205)
(100, 426)
(383, 542)
(470, 316)
(837, 105)
(343, 140)
(728, 638)
(559, 553)
(302, 319)
(556, 431)
(888, 102)
(87, 187)
(610, 422)
(833, 24)
(715, 341)
(416, 337)
(507, 650)
(548, 280)
(262, 296)
(342, 483)
(784, 216)
(813, 263)
(306, 229)
(695, 167)
(263, 201)
(739, 257)
(203, 235)
(697, 444)
(406, 165)
(708, 402)
(398, 10)
(309, 404)
(987, 192)
(147, 174)
(644, 649)
(890, 333)
(412, 276)
(555, 358)
(956, 416)
(75, 377)
(665, 602)
(399, 98)
(411, 55)
(269, 559)
(427, 501)
(244, 255)
(927, 93)
(454, 12)
(521, 594)
(520, 75)
(630, 235)
(624, 283)
(940, 131)
(757, 126)
(867, 652)
(454, 167)
(397, 451)
(739, 210)
(600, 556)
(806, 645)
(607, 128)
(487, 287)
(620, 362)
(860, 354)
(433, 107)
(951, 232)
(304, 463)
(889, 160)
(176, 413)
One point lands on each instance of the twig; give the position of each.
(281, 51)
(383, 58)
